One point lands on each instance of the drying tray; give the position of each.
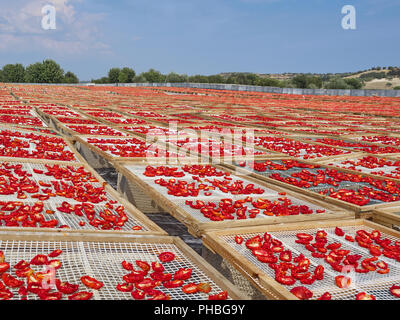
(197, 224)
(222, 242)
(100, 256)
(136, 217)
(69, 147)
(363, 211)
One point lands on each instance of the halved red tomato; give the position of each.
(138, 295)
(157, 267)
(65, 287)
(343, 281)
(183, 274)
(134, 277)
(91, 283)
(339, 232)
(375, 235)
(238, 239)
(5, 294)
(39, 260)
(204, 287)
(319, 273)
(145, 284)
(302, 293)
(219, 296)
(325, 296)
(83, 295)
(395, 290)
(173, 283)
(21, 265)
(125, 287)
(305, 236)
(45, 295)
(365, 296)
(166, 256)
(143, 265)
(55, 253)
(253, 243)
(10, 281)
(127, 266)
(4, 267)
(190, 288)
(286, 256)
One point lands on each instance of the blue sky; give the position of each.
(202, 36)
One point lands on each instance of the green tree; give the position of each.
(70, 77)
(312, 86)
(337, 83)
(154, 76)
(216, 79)
(198, 79)
(396, 88)
(113, 75)
(300, 81)
(1, 76)
(52, 72)
(245, 78)
(268, 82)
(139, 79)
(354, 83)
(33, 73)
(102, 80)
(173, 77)
(316, 81)
(14, 73)
(126, 75)
(307, 81)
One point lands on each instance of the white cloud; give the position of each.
(77, 32)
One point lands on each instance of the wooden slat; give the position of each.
(268, 285)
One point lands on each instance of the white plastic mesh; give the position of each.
(52, 203)
(149, 150)
(32, 146)
(386, 169)
(371, 283)
(320, 187)
(139, 170)
(102, 260)
(216, 196)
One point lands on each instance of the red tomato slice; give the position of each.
(91, 283)
(83, 295)
(302, 293)
(166, 257)
(65, 287)
(190, 288)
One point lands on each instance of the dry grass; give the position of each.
(382, 83)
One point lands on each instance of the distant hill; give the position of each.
(379, 79)
(374, 78)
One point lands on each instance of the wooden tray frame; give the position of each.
(266, 284)
(388, 217)
(109, 158)
(361, 212)
(326, 163)
(131, 210)
(197, 228)
(360, 151)
(317, 159)
(79, 158)
(189, 253)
